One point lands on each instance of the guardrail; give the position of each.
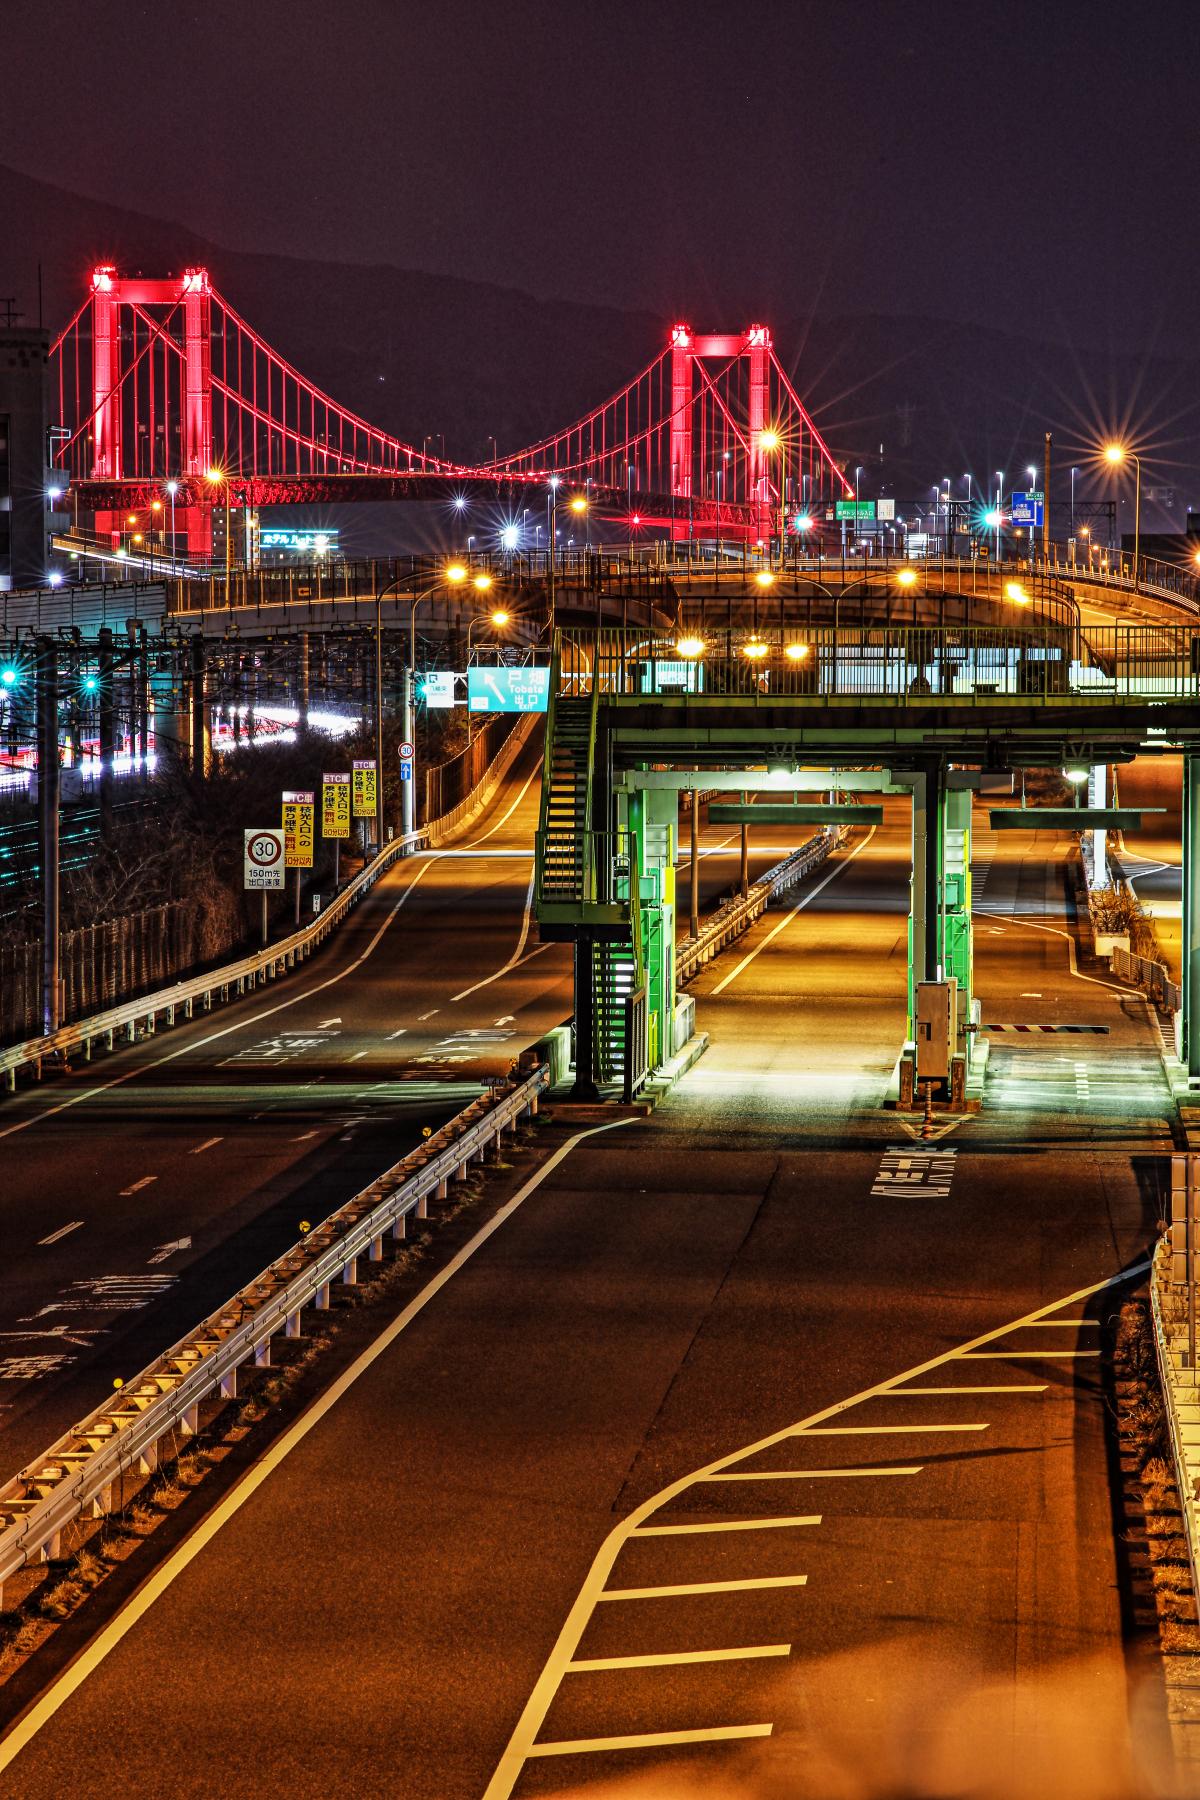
(1179, 1383)
(265, 965)
(737, 915)
(81, 1469)
(241, 976)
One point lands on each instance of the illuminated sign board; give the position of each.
(438, 688)
(299, 821)
(364, 790)
(501, 690)
(335, 806)
(854, 509)
(288, 541)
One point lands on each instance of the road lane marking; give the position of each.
(522, 1742)
(748, 1584)
(358, 1056)
(430, 861)
(304, 1137)
(673, 1658)
(1019, 1387)
(650, 1740)
(1011, 1355)
(1055, 1324)
(812, 1474)
(137, 1185)
(515, 958)
(646, 1531)
(165, 1250)
(62, 1232)
(421, 1017)
(875, 1430)
(72, 1678)
(206, 1145)
(788, 917)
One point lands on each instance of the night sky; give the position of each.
(1029, 167)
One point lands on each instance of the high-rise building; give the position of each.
(24, 456)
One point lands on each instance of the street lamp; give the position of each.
(497, 618)
(172, 490)
(219, 478)
(1115, 454)
(579, 507)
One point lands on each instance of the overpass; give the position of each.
(789, 697)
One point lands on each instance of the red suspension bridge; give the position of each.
(162, 387)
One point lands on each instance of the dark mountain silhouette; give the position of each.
(911, 399)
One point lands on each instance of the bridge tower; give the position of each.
(687, 347)
(110, 294)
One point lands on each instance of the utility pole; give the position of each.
(107, 732)
(201, 733)
(1046, 502)
(48, 798)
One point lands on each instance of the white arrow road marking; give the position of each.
(61, 1232)
(144, 1182)
(165, 1250)
(508, 1019)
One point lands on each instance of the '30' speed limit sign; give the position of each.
(263, 862)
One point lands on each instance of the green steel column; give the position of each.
(1191, 917)
(585, 1021)
(957, 937)
(925, 948)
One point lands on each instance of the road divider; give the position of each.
(78, 1474)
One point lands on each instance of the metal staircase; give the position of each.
(563, 873)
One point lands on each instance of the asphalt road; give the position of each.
(1152, 859)
(140, 1192)
(505, 1560)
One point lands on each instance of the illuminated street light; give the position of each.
(483, 583)
(455, 574)
(765, 578)
(1115, 454)
(768, 440)
(499, 617)
(906, 578)
(1076, 774)
(796, 652)
(755, 649)
(690, 646)
(510, 536)
(1016, 593)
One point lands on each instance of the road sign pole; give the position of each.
(297, 896)
(264, 918)
(407, 788)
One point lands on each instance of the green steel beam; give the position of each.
(1070, 818)
(774, 812)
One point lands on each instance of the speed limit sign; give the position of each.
(406, 751)
(263, 864)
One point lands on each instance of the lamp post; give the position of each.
(498, 618)
(220, 478)
(172, 490)
(1117, 454)
(999, 508)
(1074, 473)
(552, 542)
